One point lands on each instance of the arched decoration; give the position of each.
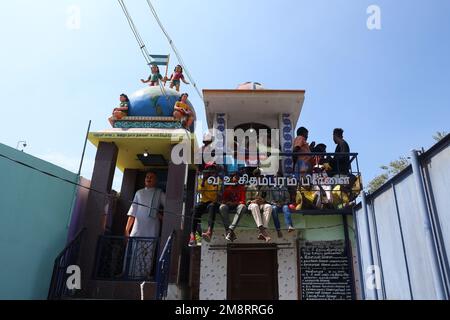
(254, 126)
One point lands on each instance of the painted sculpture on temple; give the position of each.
(154, 78)
(121, 111)
(183, 112)
(176, 78)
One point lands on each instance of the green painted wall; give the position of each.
(34, 213)
(323, 228)
(311, 227)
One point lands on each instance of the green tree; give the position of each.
(440, 135)
(390, 170)
(396, 166)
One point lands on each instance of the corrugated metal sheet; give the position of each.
(395, 274)
(397, 230)
(375, 251)
(364, 248)
(415, 245)
(438, 168)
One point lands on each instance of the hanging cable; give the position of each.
(137, 36)
(110, 196)
(174, 48)
(136, 33)
(106, 195)
(144, 50)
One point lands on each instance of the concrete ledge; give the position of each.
(157, 119)
(122, 290)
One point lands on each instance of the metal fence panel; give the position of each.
(395, 274)
(375, 252)
(364, 248)
(439, 177)
(415, 245)
(399, 235)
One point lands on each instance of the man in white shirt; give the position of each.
(143, 216)
(144, 222)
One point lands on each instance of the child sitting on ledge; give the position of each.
(121, 111)
(183, 112)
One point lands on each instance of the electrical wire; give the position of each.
(174, 48)
(135, 31)
(106, 195)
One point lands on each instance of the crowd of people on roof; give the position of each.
(265, 202)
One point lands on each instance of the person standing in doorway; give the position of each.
(144, 220)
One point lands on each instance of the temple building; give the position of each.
(313, 259)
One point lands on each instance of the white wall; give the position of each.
(213, 269)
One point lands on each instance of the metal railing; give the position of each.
(163, 269)
(328, 183)
(68, 257)
(340, 161)
(125, 259)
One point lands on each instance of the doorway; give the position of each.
(252, 272)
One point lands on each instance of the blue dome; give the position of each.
(151, 102)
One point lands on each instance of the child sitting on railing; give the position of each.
(208, 203)
(260, 209)
(233, 199)
(279, 198)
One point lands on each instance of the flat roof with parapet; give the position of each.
(247, 106)
(132, 142)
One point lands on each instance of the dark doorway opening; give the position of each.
(252, 272)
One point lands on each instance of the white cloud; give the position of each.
(73, 21)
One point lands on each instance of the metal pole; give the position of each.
(403, 241)
(366, 215)
(75, 194)
(360, 258)
(433, 255)
(84, 148)
(377, 247)
(348, 249)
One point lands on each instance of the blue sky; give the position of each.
(387, 88)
